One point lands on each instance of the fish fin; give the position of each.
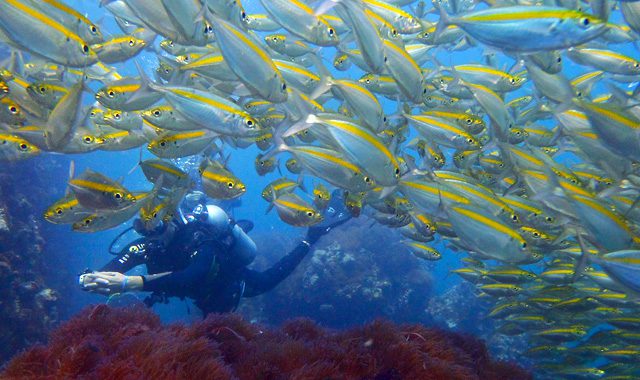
(137, 165)
(72, 172)
(146, 85)
(443, 22)
(325, 7)
(273, 199)
(386, 191)
(635, 204)
(301, 125)
(275, 150)
(581, 264)
(301, 185)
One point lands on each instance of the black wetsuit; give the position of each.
(201, 269)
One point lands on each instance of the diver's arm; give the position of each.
(175, 282)
(257, 283)
(123, 263)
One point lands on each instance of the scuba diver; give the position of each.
(202, 255)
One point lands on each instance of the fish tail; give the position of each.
(443, 22)
(581, 264)
(326, 81)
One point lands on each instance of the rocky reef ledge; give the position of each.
(112, 343)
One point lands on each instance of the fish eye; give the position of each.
(367, 179)
(275, 38)
(23, 146)
(469, 121)
(132, 42)
(559, 59)
(284, 86)
(331, 32)
(59, 211)
(514, 217)
(94, 29)
(13, 109)
(397, 171)
(230, 185)
(243, 15)
(163, 143)
(367, 81)
(85, 48)
(117, 116)
(249, 123)
(310, 213)
(43, 90)
(394, 32)
(87, 222)
(157, 113)
(585, 21)
(385, 59)
(535, 234)
(111, 94)
(523, 244)
(88, 139)
(117, 195)
(512, 80)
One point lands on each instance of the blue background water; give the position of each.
(78, 251)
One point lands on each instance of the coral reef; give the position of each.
(352, 275)
(107, 343)
(28, 305)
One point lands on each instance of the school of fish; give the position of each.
(526, 158)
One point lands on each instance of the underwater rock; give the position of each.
(4, 221)
(446, 311)
(107, 343)
(28, 298)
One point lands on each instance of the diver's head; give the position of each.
(215, 217)
(142, 229)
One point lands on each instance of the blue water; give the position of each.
(79, 251)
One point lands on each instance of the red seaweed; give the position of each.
(113, 343)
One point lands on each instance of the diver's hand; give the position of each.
(109, 282)
(334, 216)
(314, 233)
